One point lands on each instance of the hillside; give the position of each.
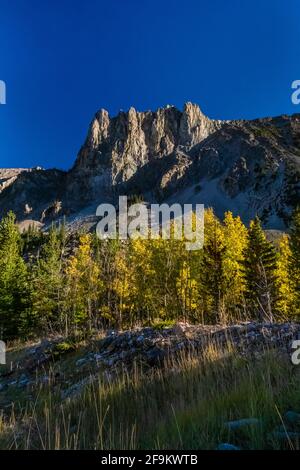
(208, 387)
(248, 167)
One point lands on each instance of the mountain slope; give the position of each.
(171, 155)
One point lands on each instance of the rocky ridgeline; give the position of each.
(248, 167)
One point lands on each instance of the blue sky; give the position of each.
(63, 60)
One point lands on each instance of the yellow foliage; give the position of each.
(285, 285)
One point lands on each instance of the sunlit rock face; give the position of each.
(116, 148)
(248, 167)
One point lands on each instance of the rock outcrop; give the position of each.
(8, 176)
(32, 192)
(152, 347)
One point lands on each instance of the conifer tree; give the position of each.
(259, 270)
(14, 288)
(212, 268)
(48, 283)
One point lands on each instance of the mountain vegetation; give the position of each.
(58, 281)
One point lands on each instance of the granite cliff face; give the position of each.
(170, 155)
(116, 148)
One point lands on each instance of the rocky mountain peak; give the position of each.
(248, 167)
(132, 139)
(195, 126)
(98, 130)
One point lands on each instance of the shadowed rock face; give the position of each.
(32, 192)
(8, 176)
(248, 167)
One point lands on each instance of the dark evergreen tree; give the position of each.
(48, 281)
(259, 270)
(212, 275)
(32, 239)
(15, 312)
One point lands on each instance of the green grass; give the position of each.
(183, 406)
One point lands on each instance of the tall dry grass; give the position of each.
(183, 405)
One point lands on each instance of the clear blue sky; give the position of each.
(63, 60)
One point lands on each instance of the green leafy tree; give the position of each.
(84, 286)
(235, 234)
